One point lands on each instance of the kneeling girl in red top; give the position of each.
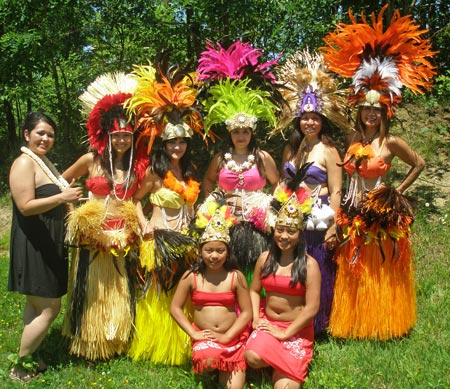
(283, 328)
(216, 289)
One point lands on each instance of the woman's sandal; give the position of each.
(23, 369)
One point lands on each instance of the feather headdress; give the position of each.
(380, 62)
(239, 61)
(102, 104)
(308, 87)
(232, 102)
(164, 101)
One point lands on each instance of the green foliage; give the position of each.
(442, 86)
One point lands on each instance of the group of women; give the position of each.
(311, 260)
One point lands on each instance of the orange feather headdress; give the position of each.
(380, 62)
(164, 102)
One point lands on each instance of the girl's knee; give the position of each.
(253, 359)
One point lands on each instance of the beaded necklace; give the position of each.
(47, 167)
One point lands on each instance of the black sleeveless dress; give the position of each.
(38, 257)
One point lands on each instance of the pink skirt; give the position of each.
(207, 354)
(290, 356)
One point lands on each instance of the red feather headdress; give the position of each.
(380, 62)
(103, 105)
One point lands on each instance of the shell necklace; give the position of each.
(232, 165)
(47, 167)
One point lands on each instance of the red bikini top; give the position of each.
(99, 185)
(213, 299)
(280, 284)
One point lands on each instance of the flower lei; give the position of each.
(47, 167)
(360, 151)
(189, 192)
(234, 167)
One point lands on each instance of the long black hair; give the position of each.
(160, 161)
(296, 137)
(298, 271)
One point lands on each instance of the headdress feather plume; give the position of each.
(303, 74)
(229, 98)
(168, 96)
(380, 60)
(240, 60)
(102, 103)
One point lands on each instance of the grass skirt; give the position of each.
(158, 338)
(376, 301)
(374, 293)
(100, 305)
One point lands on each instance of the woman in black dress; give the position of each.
(38, 260)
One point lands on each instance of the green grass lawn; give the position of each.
(421, 360)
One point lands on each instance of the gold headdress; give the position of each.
(215, 219)
(308, 87)
(290, 208)
(380, 62)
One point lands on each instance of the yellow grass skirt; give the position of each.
(158, 338)
(374, 297)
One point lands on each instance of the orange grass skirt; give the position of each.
(374, 298)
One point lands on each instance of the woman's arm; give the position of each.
(182, 292)
(287, 154)
(148, 185)
(399, 148)
(22, 183)
(81, 167)
(334, 183)
(270, 168)
(210, 178)
(255, 288)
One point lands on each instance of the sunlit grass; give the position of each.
(420, 360)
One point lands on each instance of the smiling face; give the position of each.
(214, 254)
(41, 138)
(285, 237)
(176, 148)
(371, 116)
(121, 141)
(311, 124)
